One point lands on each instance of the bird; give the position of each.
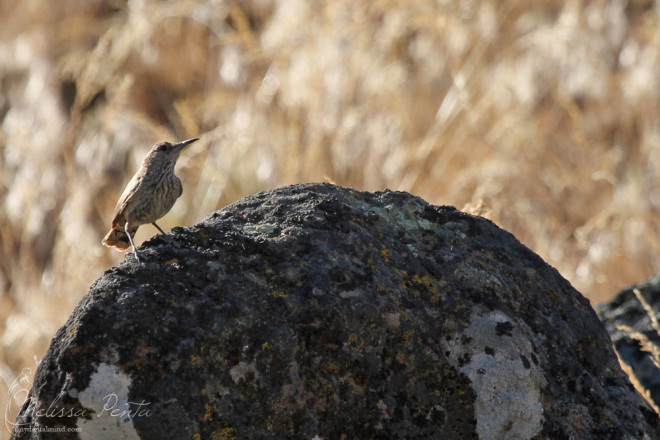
(148, 196)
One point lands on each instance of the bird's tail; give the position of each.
(118, 238)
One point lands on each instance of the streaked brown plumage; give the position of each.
(149, 195)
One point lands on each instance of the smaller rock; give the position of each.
(626, 310)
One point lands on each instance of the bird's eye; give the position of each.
(162, 147)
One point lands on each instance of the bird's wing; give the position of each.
(131, 188)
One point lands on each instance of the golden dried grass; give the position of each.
(543, 114)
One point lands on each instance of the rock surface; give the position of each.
(315, 311)
(626, 310)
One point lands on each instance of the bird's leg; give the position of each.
(158, 227)
(130, 239)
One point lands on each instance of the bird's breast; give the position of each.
(156, 197)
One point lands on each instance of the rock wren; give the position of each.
(149, 195)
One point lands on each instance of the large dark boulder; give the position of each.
(624, 318)
(315, 311)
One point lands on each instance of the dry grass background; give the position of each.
(544, 114)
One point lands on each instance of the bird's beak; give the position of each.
(185, 143)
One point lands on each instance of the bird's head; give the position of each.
(167, 151)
